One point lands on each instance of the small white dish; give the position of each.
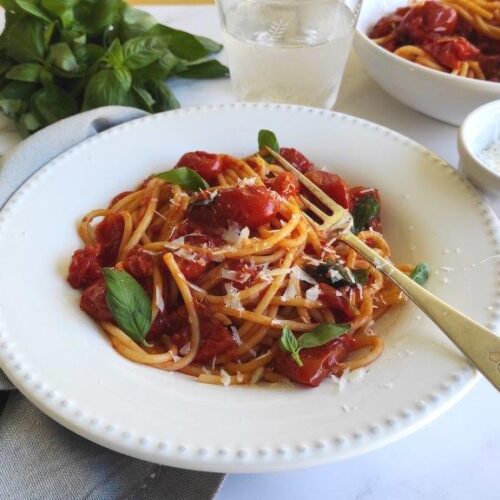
(480, 129)
(62, 362)
(444, 96)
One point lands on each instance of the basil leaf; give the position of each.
(163, 96)
(53, 104)
(32, 9)
(14, 97)
(420, 274)
(144, 50)
(27, 72)
(335, 274)
(210, 45)
(104, 89)
(28, 123)
(146, 100)
(61, 56)
(366, 209)
(124, 77)
(207, 69)
(25, 40)
(360, 276)
(288, 343)
(134, 23)
(266, 138)
(184, 177)
(115, 55)
(97, 15)
(58, 7)
(323, 333)
(128, 303)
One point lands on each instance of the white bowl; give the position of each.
(478, 130)
(443, 96)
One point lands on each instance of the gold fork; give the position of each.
(480, 345)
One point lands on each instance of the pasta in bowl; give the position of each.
(213, 269)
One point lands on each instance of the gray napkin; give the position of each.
(39, 458)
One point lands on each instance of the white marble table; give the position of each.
(455, 458)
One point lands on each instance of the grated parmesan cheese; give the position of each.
(232, 298)
(313, 293)
(290, 292)
(177, 243)
(185, 348)
(225, 377)
(248, 181)
(232, 233)
(196, 288)
(236, 335)
(160, 304)
(213, 194)
(187, 255)
(299, 274)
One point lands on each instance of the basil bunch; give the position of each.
(59, 57)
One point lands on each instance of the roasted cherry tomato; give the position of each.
(388, 24)
(423, 21)
(332, 185)
(285, 184)
(139, 264)
(85, 268)
(208, 165)
(491, 67)
(93, 301)
(450, 51)
(338, 300)
(297, 159)
(244, 274)
(318, 362)
(109, 234)
(193, 267)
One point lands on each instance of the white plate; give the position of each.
(443, 96)
(59, 359)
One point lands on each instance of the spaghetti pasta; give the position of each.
(461, 37)
(229, 269)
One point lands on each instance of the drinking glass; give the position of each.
(291, 51)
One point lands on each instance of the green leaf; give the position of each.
(61, 56)
(115, 54)
(27, 72)
(206, 69)
(288, 343)
(25, 40)
(29, 123)
(58, 7)
(267, 138)
(53, 104)
(366, 209)
(32, 9)
(146, 100)
(14, 97)
(323, 333)
(124, 77)
(134, 23)
(128, 303)
(184, 177)
(210, 45)
(161, 69)
(143, 51)
(420, 274)
(103, 89)
(163, 96)
(335, 274)
(97, 16)
(5, 65)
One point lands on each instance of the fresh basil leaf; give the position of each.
(184, 177)
(146, 99)
(206, 69)
(366, 209)
(98, 15)
(335, 274)
(166, 65)
(58, 7)
(180, 43)
(115, 55)
(27, 72)
(25, 41)
(323, 333)
(360, 276)
(134, 23)
(53, 104)
(420, 274)
(142, 51)
(124, 77)
(128, 303)
(103, 89)
(266, 138)
(9, 5)
(5, 65)
(163, 96)
(210, 45)
(61, 56)
(88, 54)
(29, 123)
(14, 97)
(32, 9)
(288, 343)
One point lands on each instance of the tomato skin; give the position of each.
(250, 206)
(85, 267)
(450, 51)
(491, 67)
(332, 184)
(285, 184)
(93, 301)
(387, 24)
(427, 19)
(192, 270)
(243, 269)
(297, 159)
(208, 165)
(109, 234)
(318, 362)
(337, 299)
(139, 264)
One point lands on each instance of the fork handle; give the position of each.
(480, 345)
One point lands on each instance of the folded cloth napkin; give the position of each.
(39, 458)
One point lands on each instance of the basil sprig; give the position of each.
(267, 138)
(185, 177)
(336, 275)
(420, 274)
(323, 333)
(366, 209)
(60, 57)
(128, 303)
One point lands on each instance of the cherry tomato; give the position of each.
(250, 206)
(109, 234)
(427, 19)
(337, 299)
(85, 268)
(285, 184)
(139, 264)
(386, 25)
(192, 269)
(93, 301)
(450, 51)
(297, 159)
(208, 165)
(245, 274)
(332, 185)
(491, 67)
(318, 362)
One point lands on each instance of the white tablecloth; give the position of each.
(458, 456)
